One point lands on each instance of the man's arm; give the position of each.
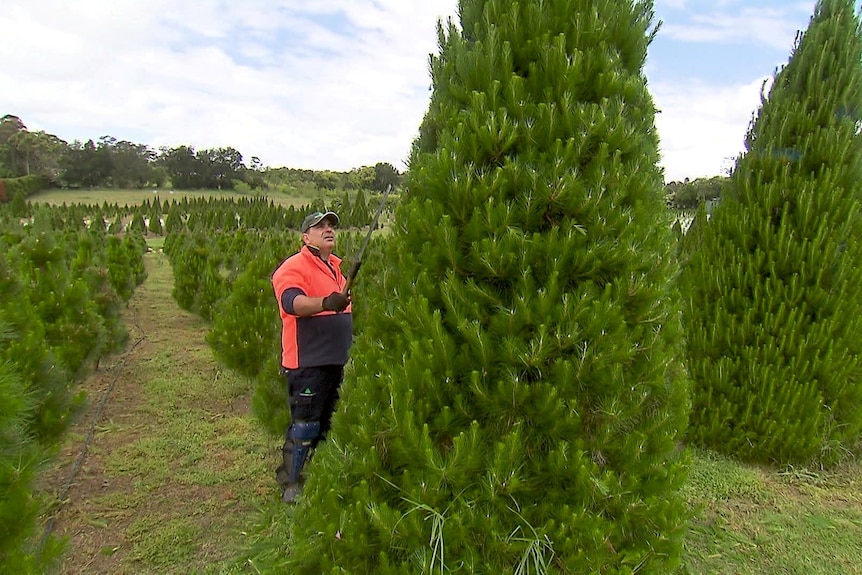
(297, 303)
(305, 306)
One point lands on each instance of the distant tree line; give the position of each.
(120, 164)
(690, 194)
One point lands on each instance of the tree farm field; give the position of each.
(97, 196)
(177, 476)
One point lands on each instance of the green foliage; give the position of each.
(26, 153)
(86, 165)
(216, 168)
(116, 226)
(120, 164)
(136, 247)
(187, 273)
(174, 222)
(246, 327)
(515, 399)
(18, 207)
(385, 175)
(20, 462)
(774, 310)
(269, 403)
(359, 211)
(23, 186)
(154, 226)
(119, 268)
(58, 315)
(19, 456)
(689, 241)
(688, 195)
(138, 225)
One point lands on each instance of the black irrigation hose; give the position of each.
(82, 454)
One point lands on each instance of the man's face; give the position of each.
(322, 235)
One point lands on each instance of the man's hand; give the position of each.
(336, 301)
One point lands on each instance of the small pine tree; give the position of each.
(174, 221)
(19, 207)
(245, 329)
(775, 303)
(515, 397)
(359, 213)
(118, 265)
(154, 226)
(138, 225)
(19, 460)
(98, 225)
(116, 226)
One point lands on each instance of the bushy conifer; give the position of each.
(174, 222)
(19, 459)
(118, 268)
(154, 225)
(775, 284)
(245, 327)
(116, 226)
(137, 225)
(514, 400)
(359, 214)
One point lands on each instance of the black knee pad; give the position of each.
(302, 435)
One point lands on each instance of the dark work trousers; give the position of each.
(312, 397)
(313, 394)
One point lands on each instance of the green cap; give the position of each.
(317, 217)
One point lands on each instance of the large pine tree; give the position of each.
(775, 313)
(514, 401)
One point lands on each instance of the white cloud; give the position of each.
(765, 26)
(663, 5)
(330, 84)
(702, 127)
(267, 78)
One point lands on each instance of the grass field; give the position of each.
(752, 520)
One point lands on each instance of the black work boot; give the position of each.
(289, 490)
(300, 439)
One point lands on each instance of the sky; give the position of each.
(340, 84)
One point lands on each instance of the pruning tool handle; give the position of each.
(357, 261)
(351, 275)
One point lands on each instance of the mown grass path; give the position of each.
(176, 468)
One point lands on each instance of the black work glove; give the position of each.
(336, 301)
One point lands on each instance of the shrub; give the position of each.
(775, 303)
(515, 397)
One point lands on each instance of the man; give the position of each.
(317, 330)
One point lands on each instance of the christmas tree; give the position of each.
(775, 309)
(514, 400)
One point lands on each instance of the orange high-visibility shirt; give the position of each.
(323, 338)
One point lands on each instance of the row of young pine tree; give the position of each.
(63, 284)
(534, 349)
(65, 274)
(201, 213)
